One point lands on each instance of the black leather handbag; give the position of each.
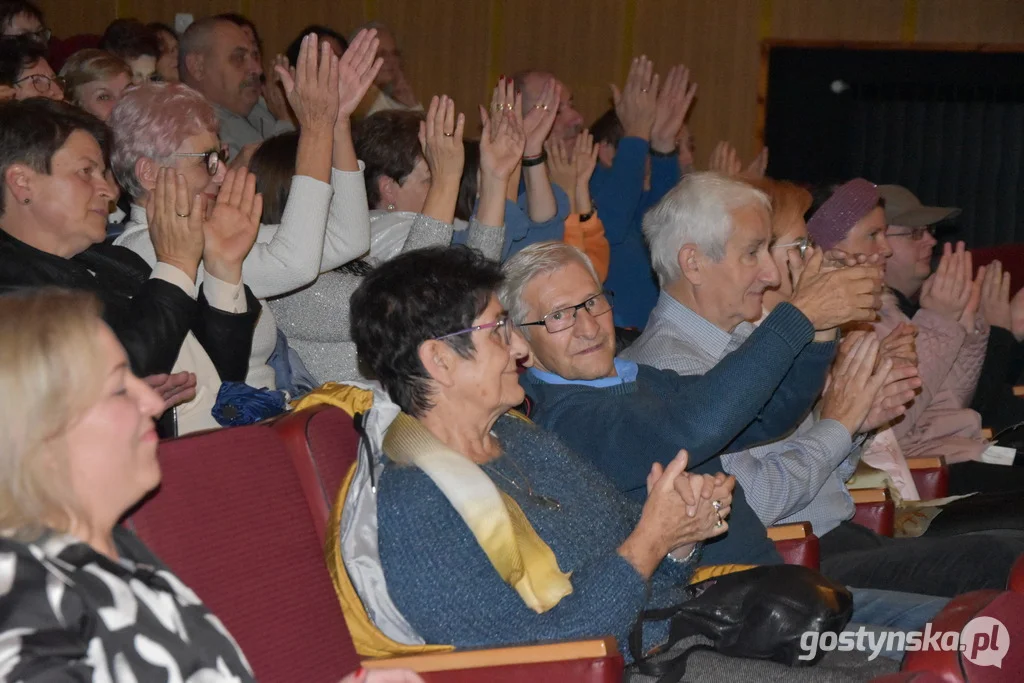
(759, 613)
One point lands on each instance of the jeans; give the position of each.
(856, 556)
(882, 612)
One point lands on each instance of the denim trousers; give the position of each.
(882, 611)
(856, 556)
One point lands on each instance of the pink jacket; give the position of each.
(938, 422)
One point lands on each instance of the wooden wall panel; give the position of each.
(976, 21)
(460, 46)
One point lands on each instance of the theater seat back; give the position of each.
(231, 520)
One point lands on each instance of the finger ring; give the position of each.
(182, 215)
(448, 135)
(719, 523)
(717, 504)
(509, 106)
(643, 89)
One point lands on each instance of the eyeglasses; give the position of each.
(802, 245)
(42, 83)
(213, 158)
(501, 324)
(43, 35)
(916, 234)
(564, 318)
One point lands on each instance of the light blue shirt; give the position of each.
(625, 372)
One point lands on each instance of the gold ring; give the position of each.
(182, 215)
(448, 135)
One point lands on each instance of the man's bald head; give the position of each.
(218, 59)
(531, 84)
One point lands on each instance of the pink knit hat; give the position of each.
(834, 219)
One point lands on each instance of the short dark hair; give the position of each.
(292, 53)
(243, 21)
(12, 8)
(414, 297)
(33, 130)
(274, 166)
(388, 143)
(469, 187)
(608, 128)
(17, 54)
(130, 39)
(159, 27)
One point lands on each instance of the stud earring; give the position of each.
(390, 207)
(26, 200)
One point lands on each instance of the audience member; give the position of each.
(220, 61)
(95, 80)
(167, 63)
(53, 160)
(951, 340)
(316, 319)
(25, 73)
(136, 44)
(23, 18)
(337, 42)
(249, 29)
(572, 165)
(393, 88)
(704, 312)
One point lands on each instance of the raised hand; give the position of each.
(684, 140)
(832, 298)
(273, 90)
(725, 160)
(312, 86)
(673, 104)
(585, 159)
(757, 167)
(504, 137)
(562, 168)
(948, 290)
(968, 319)
(232, 225)
(854, 382)
(995, 296)
(357, 70)
(538, 121)
(636, 105)
(173, 389)
(175, 222)
(441, 140)
(1017, 315)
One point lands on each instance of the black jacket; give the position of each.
(149, 316)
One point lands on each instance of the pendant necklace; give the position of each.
(544, 501)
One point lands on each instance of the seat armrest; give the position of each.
(931, 477)
(796, 543)
(875, 510)
(520, 655)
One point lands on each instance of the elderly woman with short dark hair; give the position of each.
(430, 326)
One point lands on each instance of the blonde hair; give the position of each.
(87, 66)
(48, 377)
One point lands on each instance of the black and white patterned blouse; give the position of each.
(69, 613)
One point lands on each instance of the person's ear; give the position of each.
(439, 361)
(146, 170)
(18, 179)
(387, 188)
(195, 66)
(690, 263)
(605, 153)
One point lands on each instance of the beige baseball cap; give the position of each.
(902, 207)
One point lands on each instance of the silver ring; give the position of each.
(448, 135)
(717, 504)
(182, 215)
(643, 89)
(719, 523)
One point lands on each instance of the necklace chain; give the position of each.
(540, 499)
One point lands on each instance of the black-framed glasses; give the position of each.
(42, 83)
(42, 36)
(916, 234)
(564, 318)
(501, 324)
(212, 158)
(801, 245)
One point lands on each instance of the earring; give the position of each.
(391, 207)
(26, 200)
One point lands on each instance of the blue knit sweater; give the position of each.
(757, 394)
(619, 194)
(444, 585)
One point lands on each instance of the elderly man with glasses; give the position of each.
(709, 294)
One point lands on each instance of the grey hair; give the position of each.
(536, 259)
(696, 211)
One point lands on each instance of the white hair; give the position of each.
(696, 211)
(536, 259)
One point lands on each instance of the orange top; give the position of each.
(588, 237)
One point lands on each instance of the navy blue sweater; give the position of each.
(449, 592)
(757, 394)
(619, 195)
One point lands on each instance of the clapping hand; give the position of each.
(232, 225)
(673, 104)
(357, 70)
(562, 168)
(175, 222)
(995, 296)
(948, 290)
(312, 86)
(538, 121)
(504, 136)
(637, 103)
(441, 140)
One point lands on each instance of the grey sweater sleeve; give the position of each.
(487, 239)
(427, 232)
